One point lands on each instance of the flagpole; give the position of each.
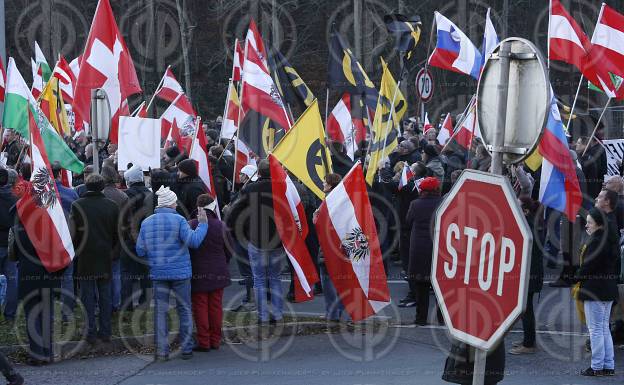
(157, 89)
(460, 122)
(548, 40)
(226, 109)
(327, 107)
(596, 127)
(433, 23)
(578, 89)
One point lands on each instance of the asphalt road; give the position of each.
(398, 354)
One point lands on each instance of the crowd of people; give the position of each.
(141, 237)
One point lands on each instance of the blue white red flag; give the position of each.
(490, 38)
(454, 51)
(559, 186)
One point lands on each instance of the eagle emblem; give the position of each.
(43, 189)
(355, 245)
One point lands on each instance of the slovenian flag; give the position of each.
(454, 51)
(559, 186)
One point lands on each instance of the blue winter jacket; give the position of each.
(164, 240)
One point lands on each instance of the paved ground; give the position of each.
(399, 354)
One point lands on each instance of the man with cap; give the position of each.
(164, 241)
(188, 187)
(134, 269)
(95, 219)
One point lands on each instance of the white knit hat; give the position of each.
(166, 197)
(134, 174)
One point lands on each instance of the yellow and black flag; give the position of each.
(405, 30)
(303, 151)
(345, 73)
(290, 85)
(385, 126)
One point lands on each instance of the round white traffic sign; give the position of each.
(424, 85)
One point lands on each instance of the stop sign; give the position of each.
(481, 258)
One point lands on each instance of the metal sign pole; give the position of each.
(503, 88)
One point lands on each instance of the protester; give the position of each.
(210, 276)
(593, 162)
(95, 220)
(430, 157)
(134, 270)
(68, 197)
(164, 240)
(420, 216)
(532, 213)
(598, 291)
(13, 148)
(256, 224)
(111, 178)
(7, 267)
(334, 308)
(188, 187)
(341, 163)
(36, 289)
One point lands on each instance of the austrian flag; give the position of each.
(292, 226)
(348, 238)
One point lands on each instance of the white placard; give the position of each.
(139, 142)
(615, 152)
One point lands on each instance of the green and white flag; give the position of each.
(616, 80)
(40, 60)
(18, 100)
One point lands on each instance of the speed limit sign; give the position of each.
(424, 85)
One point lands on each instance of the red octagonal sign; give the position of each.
(481, 258)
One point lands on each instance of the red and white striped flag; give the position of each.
(40, 209)
(2, 82)
(348, 238)
(238, 59)
(63, 72)
(259, 91)
(469, 129)
(243, 158)
(427, 126)
(406, 176)
(566, 40)
(290, 220)
(606, 55)
(254, 40)
(199, 153)
(182, 111)
(340, 126)
(446, 131)
(169, 88)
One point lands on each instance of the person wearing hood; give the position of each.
(433, 162)
(164, 241)
(188, 187)
(134, 270)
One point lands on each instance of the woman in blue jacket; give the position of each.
(164, 240)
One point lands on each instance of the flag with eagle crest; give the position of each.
(40, 209)
(348, 237)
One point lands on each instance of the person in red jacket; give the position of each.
(210, 276)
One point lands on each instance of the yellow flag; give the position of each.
(303, 151)
(385, 127)
(534, 161)
(52, 105)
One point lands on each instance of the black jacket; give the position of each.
(139, 206)
(420, 217)
(341, 163)
(594, 165)
(251, 217)
(597, 272)
(188, 189)
(95, 220)
(7, 201)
